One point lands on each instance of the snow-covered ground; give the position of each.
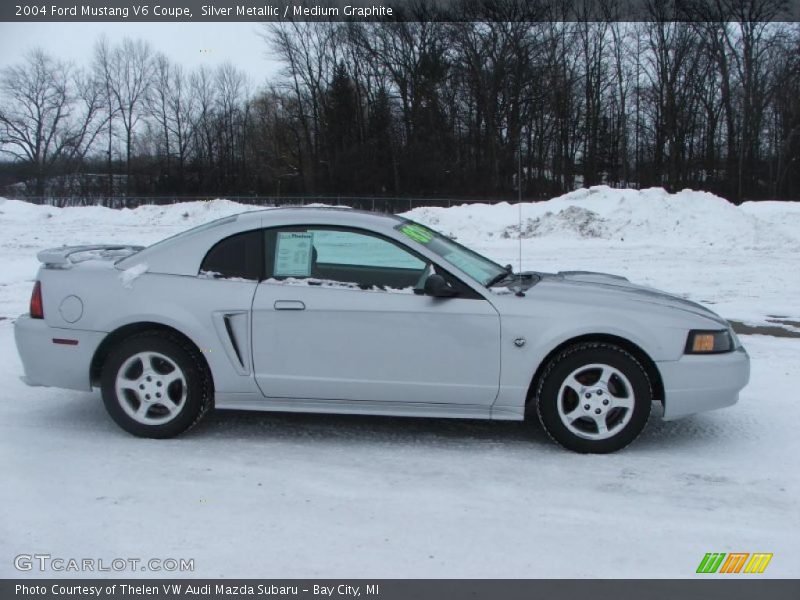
(281, 495)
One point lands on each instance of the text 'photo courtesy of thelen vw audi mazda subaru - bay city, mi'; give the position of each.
(340, 311)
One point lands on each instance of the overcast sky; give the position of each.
(191, 44)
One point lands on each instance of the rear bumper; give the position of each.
(49, 363)
(696, 384)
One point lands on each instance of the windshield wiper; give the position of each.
(500, 276)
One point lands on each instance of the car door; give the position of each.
(337, 318)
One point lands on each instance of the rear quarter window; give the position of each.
(239, 256)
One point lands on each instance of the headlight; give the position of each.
(708, 342)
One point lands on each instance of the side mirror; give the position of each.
(437, 287)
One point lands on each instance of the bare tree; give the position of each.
(310, 52)
(127, 72)
(204, 132)
(233, 113)
(174, 109)
(158, 103)
(48, 114)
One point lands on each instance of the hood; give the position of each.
(617, 285)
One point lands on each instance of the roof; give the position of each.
(182, 254)
(317, 214)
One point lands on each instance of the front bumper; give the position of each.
(696, 384)
(49, 363)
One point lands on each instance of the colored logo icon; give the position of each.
(734, 562)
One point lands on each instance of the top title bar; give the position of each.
(400, 10)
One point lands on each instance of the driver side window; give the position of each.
(342, 258)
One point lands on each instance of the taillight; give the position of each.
(37, 309)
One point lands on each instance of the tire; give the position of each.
(156, 385)
(608, 390)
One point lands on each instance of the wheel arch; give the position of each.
(635, 350)
(123, 332)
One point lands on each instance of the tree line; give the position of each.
(486, 108)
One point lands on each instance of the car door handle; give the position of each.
(289, 305)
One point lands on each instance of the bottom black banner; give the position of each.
(400, 589)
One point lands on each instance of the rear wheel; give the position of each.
(594, 398)
(155, 385)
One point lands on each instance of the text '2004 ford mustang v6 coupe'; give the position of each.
(339, 311)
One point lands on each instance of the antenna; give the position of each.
(519, 198)
(519, 209)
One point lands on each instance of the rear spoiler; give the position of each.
(67, 255)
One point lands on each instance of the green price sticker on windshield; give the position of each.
(418, 233)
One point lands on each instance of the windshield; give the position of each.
(480, 268)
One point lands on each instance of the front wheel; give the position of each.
(594, 398)
(155, 385)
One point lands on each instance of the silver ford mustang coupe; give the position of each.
(340, 311)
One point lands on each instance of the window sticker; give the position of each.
(418, 233)
(293, 254)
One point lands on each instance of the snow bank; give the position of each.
(651, 216)
(185, 214)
